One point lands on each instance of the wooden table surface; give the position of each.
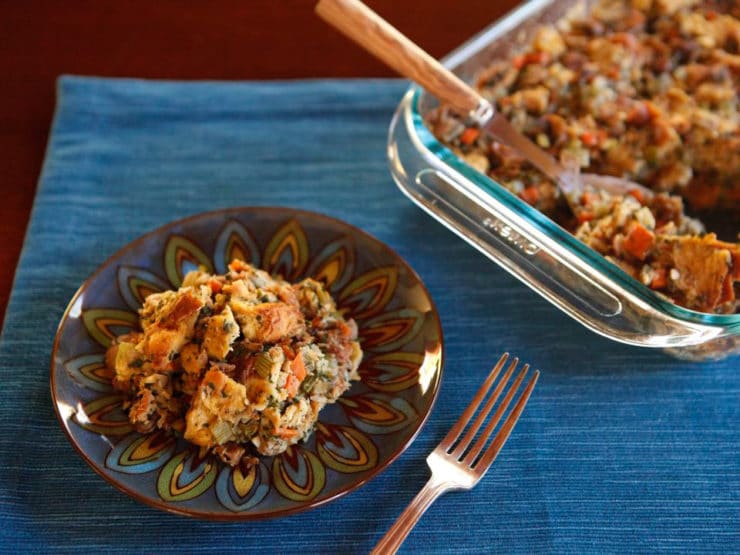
(205, 39)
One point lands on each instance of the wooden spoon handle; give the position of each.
(380, 38)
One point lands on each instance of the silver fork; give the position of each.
(453, 465)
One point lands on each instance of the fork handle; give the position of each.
(393, 539)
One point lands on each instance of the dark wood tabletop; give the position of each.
(204, 39)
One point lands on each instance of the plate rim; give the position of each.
(243, 516)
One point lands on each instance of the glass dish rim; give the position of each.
(435, 149)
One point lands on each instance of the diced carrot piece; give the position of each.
(530, 195)
(215, 285)
(288, 351)
(469, 136)
(585, 217)
(627, 40)
(237, 265)
(532, 58)
(588, 198)
(538, 57)
(593, 138)
(653, 110)
(344, 329)
(642, 112)
(638, 195)
(638, 114)
(298, 368)
(286, 433)
(660, 279)
(291, 386)
(589, 138)
(638, 241)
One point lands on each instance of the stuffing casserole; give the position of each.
(240, 364)
(640, 89)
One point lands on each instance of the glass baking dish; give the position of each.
(530, 246)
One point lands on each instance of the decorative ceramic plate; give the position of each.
(369, 426)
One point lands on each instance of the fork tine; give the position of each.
(472, 455)
(475, 426)
(458, 427)
(503, 434)
(448, 472)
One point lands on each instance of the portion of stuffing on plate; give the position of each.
(240, 364)
(645, 90)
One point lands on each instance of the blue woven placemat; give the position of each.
(620, 449)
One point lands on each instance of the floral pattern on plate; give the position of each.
(355, 438)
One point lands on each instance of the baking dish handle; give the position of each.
(577, 289)
(497, 236)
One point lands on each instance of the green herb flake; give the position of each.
(206, 311)
(308, 383)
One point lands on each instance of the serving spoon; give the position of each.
(380, 38)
